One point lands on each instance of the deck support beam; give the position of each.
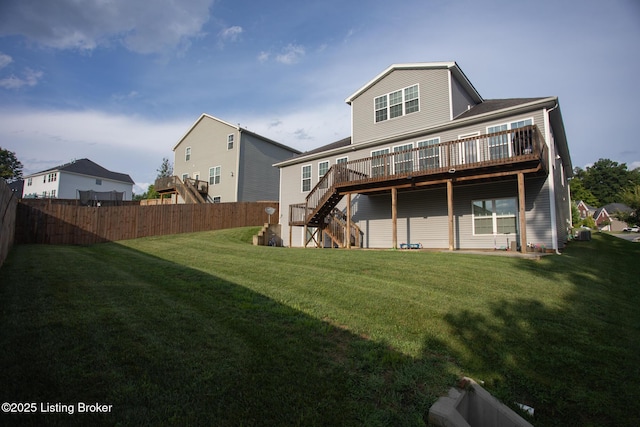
(450, 211)
(394, 217)
(348, 233)
(522, 213)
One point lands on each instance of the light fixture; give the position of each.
(452, 170)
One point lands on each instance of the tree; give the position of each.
(578, 192)
(10, 166)
(631, 198)
(606, 179)
(166, 169)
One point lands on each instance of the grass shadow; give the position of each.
(166, 344)
(573, 362)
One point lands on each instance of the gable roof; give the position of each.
(237, 128)
(450, 65)
(87, 167)
(492, 105)
(611, 209)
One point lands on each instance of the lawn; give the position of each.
(205, 329)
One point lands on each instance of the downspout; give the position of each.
(552, 184)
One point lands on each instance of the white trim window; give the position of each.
(403, 158)
(306, 178)
(185, 176)
(468, 150)
(429, 154)
(214, 175)
(396, 104)
(230, 139)
(341, 160)
(187, 154)
(495, 216)
(379, 162)
(217, 199)
(323, 168)
(504, 146)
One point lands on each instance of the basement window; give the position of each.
(495, 216)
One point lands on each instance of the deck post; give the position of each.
(348, 221)
(394, 217)
(522, 213)
(450, 211)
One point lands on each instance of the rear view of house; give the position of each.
(430, 163)
(225, 163)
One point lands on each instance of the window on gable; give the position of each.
(230, 142)
(214, 175)
(398, 103)
(29, 182)
(306, 178)
(98, 181)
(187, 154)
(381, 108)
(495, 216)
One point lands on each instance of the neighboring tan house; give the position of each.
(432, 164)
(80, 179)
(605, 217)
(227, 163)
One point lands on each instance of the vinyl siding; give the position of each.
(460, 98)
(434, 104)
(257, 177)
(208, 142)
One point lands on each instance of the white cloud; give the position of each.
(5, 60)
(290, 54)
(264, 56)
(125, 144)
(231, 34)
(140, 26)
(29, 78)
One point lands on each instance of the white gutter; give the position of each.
(552, 184)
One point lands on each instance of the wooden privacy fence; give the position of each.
(8, 204)
(53, 223)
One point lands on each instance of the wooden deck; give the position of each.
(477, 158)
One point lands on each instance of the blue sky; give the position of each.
(121, 81)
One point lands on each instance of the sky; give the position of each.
(121, 81)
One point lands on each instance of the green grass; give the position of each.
(205, 329)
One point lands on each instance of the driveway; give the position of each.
(627, 235)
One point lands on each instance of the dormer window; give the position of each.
(397, 104)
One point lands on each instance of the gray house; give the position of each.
(432, 164)
(225, 163)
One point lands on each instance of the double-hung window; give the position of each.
(214, 175)
(306, 178)
(187, 154)
(403, 158)
(429, 154)
(230, 142)
(380, 162)
(495, 216)
(397, 103)
(323, 167)
(512, 142)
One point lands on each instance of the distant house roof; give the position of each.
(238, 128)
(612, 208)
(89, 168)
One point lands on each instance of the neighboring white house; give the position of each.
(432, 164)
(80, 179)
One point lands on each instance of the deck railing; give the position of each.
(431, 157)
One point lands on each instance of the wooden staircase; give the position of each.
(191, 190)
(321, 209)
